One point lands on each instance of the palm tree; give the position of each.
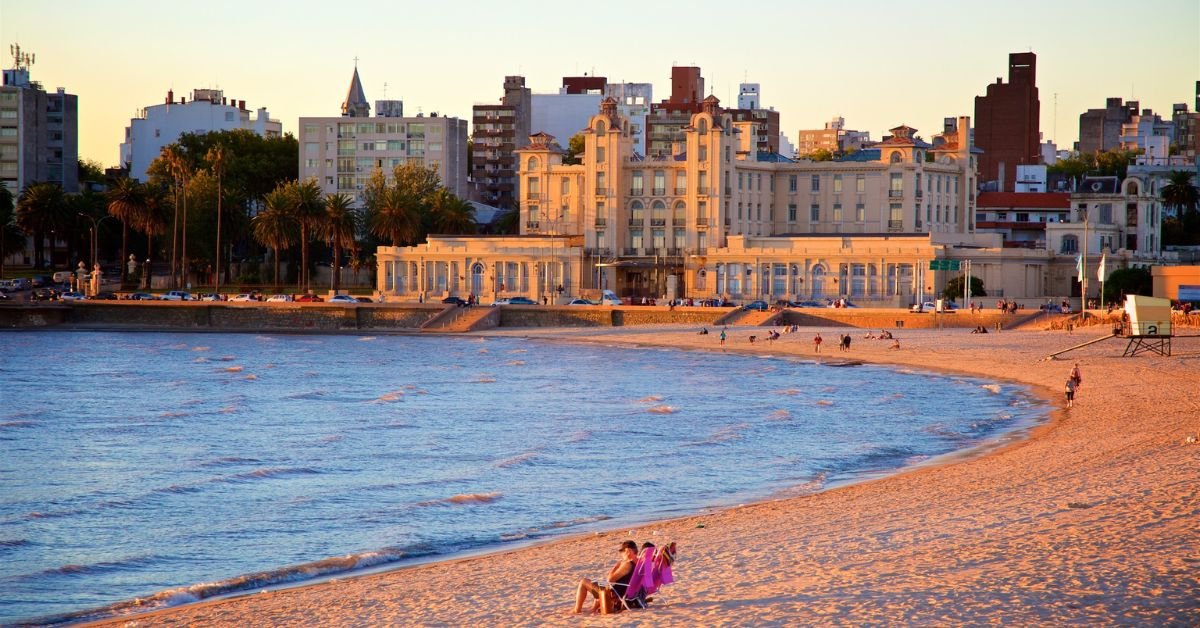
(274, 226)
(126, 201)
(10, 236)
(397, 217)
(1180, 193)
(216, 158)
(339, 229)
(180, 169)
(42, 209)
(151, 220)
(451, 214)
(308, 209)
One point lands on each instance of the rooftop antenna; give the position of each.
(1055, 116)
(385, 90)
(21, 60)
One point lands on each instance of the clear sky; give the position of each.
(878, 64)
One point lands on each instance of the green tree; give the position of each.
(451, 214)
(1109, 163)
(1181, 222)
(275, 227)
(42, 211)
(216, 157)
(90, 171)
(151, 221)
(126, 203)
(11, 238)
(1126, 281)
(308, 210)
(339, 229)
(509, 222)
(575, 148)
(954, 288)
(821, 154)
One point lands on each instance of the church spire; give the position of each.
(356, 105)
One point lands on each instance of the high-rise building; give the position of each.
(1007, 122)
(343, 152)
(208, 110)
(667, 120)
(39, 137)
(498, 130)
(766, 121)
(1100, 129)
(835, 138)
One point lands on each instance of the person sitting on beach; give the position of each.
(870, 335)
(618, 582)
(703, 331)
(752, 339)
(885, 335)
(895, 344)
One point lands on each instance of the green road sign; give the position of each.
(944, 264)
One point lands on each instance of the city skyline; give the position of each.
(810, 69)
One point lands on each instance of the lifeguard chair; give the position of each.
(1147, 325)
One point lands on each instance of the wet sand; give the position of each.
(1093, 519)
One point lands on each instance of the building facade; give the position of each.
(208, 110)
(1100, 129)
(716, 218)
(1007, 123)
(498, 130)
(39, 131)
(835, 138)
(342, 152)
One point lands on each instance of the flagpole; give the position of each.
(1083, 265)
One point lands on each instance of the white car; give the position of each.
(280, 298)
(582, 302)
(72, 296)
(243, 298)
(342, 298)
(176, 295)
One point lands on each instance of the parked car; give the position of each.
(72, 296)
(342, 298)
(105, 296)
(930, 306)
(244, 297)
(608, 297)
(43, 294)
(4, 296)
(582, 302)
(308, 298)
(177, 295)
(364, 299)
(279, 298)
(141, 296)
(516, 301)
(459, 301)
(809, 304)
(761, 306)
(211, 297)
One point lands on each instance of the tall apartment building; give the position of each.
(1187, 127)
(766, 121)
(498, 130)
(209, 110)
(835, 138)
(667, 120)
(567, 112)
(343, 152)
(39, 136)
(1100, 129)
(1007, 122)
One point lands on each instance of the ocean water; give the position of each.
(143, 469)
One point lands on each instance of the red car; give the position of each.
(308, 298)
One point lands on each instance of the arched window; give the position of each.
(896, 157)
(679, 215)
(702, 128)
(600, 128)
(533, 163)
(636, 215)
(702, 280)
(658, 213)
(1131, 189)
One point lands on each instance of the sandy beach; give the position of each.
(1092, 519)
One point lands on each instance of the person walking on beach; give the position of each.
(723, 337)
(817, 342)
(1076, 376)
(846, 342)
(1070, 392)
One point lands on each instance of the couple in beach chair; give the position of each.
(631, 582)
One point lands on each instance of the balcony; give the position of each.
(920, 194)
(699, 250)
(660, 191)
(679, 222)
(601, 191)
(635, 221)
(534, 196)
(601, 222)
(658, 222)
(636, 191)
(680, 191)
(632, 252)
(597, 252)
(532, 224)
(728, 191)
(701, 221)
(895, 225)
(676, 252)
(702, 190)
(895, 193)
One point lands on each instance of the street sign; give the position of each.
(944, 264)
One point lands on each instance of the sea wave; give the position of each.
(662, 409)
(650, 399)
(516, 460)
(16, 424)
(464, 498)
(267, 473)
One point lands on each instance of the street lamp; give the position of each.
(94, 234)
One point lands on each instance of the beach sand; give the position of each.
(1094, 519)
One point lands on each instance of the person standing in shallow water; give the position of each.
(1070, 390)
(817, 342)
(1076, 376)
(722, 337)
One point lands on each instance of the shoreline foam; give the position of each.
(997, 537)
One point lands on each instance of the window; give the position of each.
(741, 180)
(837, 184)
(816, 183)
(1070, 244)
(566, 186)
(660, 182)
(635, 238)
(792, 183)
(897, 182)
(310, 148)
(599, 154)
(1022, 217)
(532, 163)
(758, 212)
(758, 178)
(860, 212)
(860, 183)
(636, 185)
(312, 129)
(601, 187)
(739, 210)
(837, 212)
(815, 212)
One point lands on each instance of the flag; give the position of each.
(1079, 267)
(1103, 263)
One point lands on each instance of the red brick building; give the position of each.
(1007, 123)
